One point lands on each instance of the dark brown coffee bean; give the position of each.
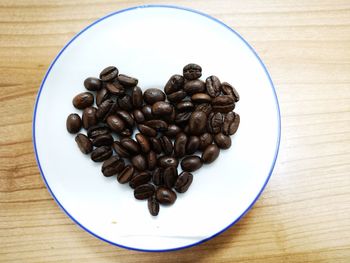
(84, 144)
(151, 160)
(180, 145)
(166, 161)
(127, 81)
(223, 141)
(101, 140)
(170, 176)
(126, 117)
(228, 89)
(115, 88)
(83, 100)
(109, 73)
(148, 131)
(120, 150)
(106, 108)
(182, 117)
(191, 163)
(228, 120)
(153, 206)
(98, 130)
(175, 83)
(210, 153)
(130, 145)
(157, 176)
(205, 107)
(158, 125)
(213, 85)
(115, 123)
(223, 103)
(194, 86)
(73, 123)
(167, 145)
(137, 98)
(112, 166)
(209, 122)
(205, 140)
(155, 145)
(138, 116)
(172, 131)
(201, 98)
(184, 106)
(101, 96)
(177, 96)
(153, 95)
(234, 126)
(165, 195)
(126, 174)
(89, 117)
(192, 145)
(126, 133)
(139, 179)
(143, 142)
(93, 84)
(216, 122)
(197, 122)
(147, 112)
(139, 162)
(144, 191)
(183, 182)
(161, 108)
(125, 103)
(101, 153)
(192, 71)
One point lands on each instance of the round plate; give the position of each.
(152, 43)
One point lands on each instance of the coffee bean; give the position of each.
(89, 117)
(197, 122)
(140, 179)
(155, 145)
(234, 126)
(97, 130)
(93, 84)
(127, 81)
(175, 83)
(182, 117)
(213, 86)
(167, 145)
(147, 112)
(101, 140)
(109, 73)
(172, 131)
(210, 153)
(73, 123)
(115, 123)
(126, 174)
(201, 98)
(105, 109)
(192, 71)
(176, 96)
(165, 195)
(112, 166)
(83, 100)
(153, 206)
(205, 107)
(183, 182)
(194, 86)
(216, 122)
(115, 88)
(130, 145)
(166, 161)
(125, 103)
(143, 142)
(191, 163)
(223, 141)
(153, 95)
(205, 140)
(151, 160)
(101, 96)
(184, 106)
(223, 103)
(158, 125)
(192, 145)
(101, 153)
(144, 191)
(157, 176)
(84, 144)
(148, 131)
(228, 89)
(161, 108)
(126, 133)
(137, 98)
(139, 162)
(120, 150)
(138, 116)
(126, 117)
(170, 176)
(180, 145)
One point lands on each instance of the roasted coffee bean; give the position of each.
(109, 73)
(216, 122)
(205, 107)
(177, 96)
(84, 144)
(191, 163)
(180, 145)
(155, 145)
(194, 86)
(213, 85)
(153, 206)
(172, 131)
(73, 123)
(184, 106)
(161, 108)
(126, 133)
(137, 98)
(234, 126)
(139, 179)
(101, 140)
(183, 182)
(192, 145)
(205, 140)
(170, 176)
(126, 174)
(157, 176)
(125, 103)
(144, 191)
(201, 98)
(139, 162)
(93, 84)
(153, 95)
(167, 145)
(115, 123)
(210, 154)
(120, 150)
(175, 83)
(166, 161)
(169, 118)
(138, 116)
(223, 103)
(223, 141)
(229, 118)
(147, 112)
(83, 100)
(228, 89)
(143, 142)
(148, 131)
(197, 122)
(101, 96)
(151, 160)
(209, 122)
(101, 153)
(130, 145)
(89, 117)
(165, 195)
(97, 130)
(158, 125)
(127, 81)
(192, 71)
(115, 88)
(112, 166)
(126, 117)
(182, 117)
(105, 109)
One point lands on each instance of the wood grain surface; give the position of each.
(304, 213)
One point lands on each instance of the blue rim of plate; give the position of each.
(183, 9)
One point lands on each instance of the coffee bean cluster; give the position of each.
(190, 117)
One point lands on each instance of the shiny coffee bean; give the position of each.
(112, 166)
(130, 145)
(115, 88)
(165, 195)
(182, 117)
(180, 145)
(191, 163)
(115, 123)
(228, 120)
(213, 86)
(184, 106)
(155, 145)
(101, 96)
(106, 108)
(234, 126)
(137, 98)
(153, 206)
(73, 123)
(101, 153)
(192, 71)
(166, 161)
(223, 103)
(228, 89)
(93, 84)
(126, 117)
(172, 131)
(89, 117)
(210, 154)
(125, 103)
(197, 122)
(101, 140)
(157, 176)
(144, 191)
(161, 108)
(109, 73)
(201, 98)
(97, 130)
(148, 131)
(175, 83)
(216, 122)
(222, 141)
(167, 145)
(151, 160)
(143, 142)
(138, 116)
(151, 96)
(158, 125)
(126, 174)
(120, 150)
(194, 86)
(84, 144)
(205, 140)
(147, 112)
(183, 182)
(139, 162)
(83, 100)
(192, 145)
(127, 81)
(126, 133)
(140, 179)
(205, 107)
(170, 176)
(176, 96)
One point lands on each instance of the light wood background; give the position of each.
(304, 213)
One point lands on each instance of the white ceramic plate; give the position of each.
(152, 43)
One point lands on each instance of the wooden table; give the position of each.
(304, 213)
